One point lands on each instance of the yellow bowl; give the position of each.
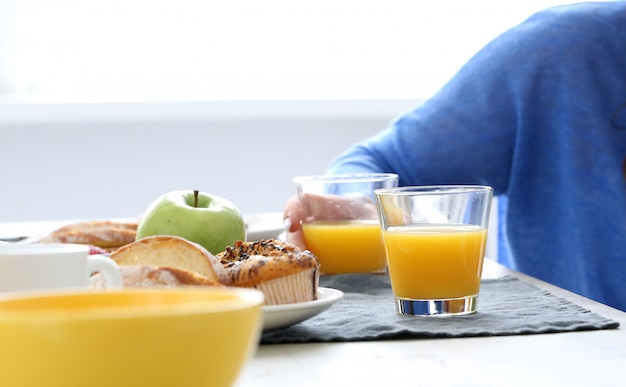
(144, 337)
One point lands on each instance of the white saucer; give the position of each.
(280, 316)
(264, 225)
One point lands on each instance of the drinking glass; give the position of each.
(340, 221)
(435, 238)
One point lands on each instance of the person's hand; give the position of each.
(293, 215)
(311, 207)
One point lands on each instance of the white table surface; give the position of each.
(587, 358)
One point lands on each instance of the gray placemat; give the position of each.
(506, 306)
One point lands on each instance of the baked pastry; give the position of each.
(284, 273)
(174, 252)
(108, 235)
(155, 276)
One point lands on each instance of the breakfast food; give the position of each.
(209, 220)
(155, 276)
(104, 235)
(172, 252)
(284, 273)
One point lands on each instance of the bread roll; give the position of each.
(155, 276)
(106, 234)
(173, 252)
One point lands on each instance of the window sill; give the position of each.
(33, 112)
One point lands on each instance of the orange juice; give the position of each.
(435, 261)
(351, 246)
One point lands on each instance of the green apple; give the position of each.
(209, 220)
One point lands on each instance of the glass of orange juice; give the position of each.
(435, 239)
(340, 222)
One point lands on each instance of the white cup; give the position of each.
(39, 266)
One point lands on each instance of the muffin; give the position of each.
(284, 273)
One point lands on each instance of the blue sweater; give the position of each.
(540, 115)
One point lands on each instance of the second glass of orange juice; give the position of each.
(435, 238)
(341, 224)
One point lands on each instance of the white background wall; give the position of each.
(88, 161)
(102, 161)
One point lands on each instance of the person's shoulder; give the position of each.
(590, 19)
(594, 10)
(558, 35)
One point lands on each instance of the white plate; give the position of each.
(264, 225)
(280, 316)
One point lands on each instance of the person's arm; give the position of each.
(469, 131)
(447, 139)
(521, 85)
